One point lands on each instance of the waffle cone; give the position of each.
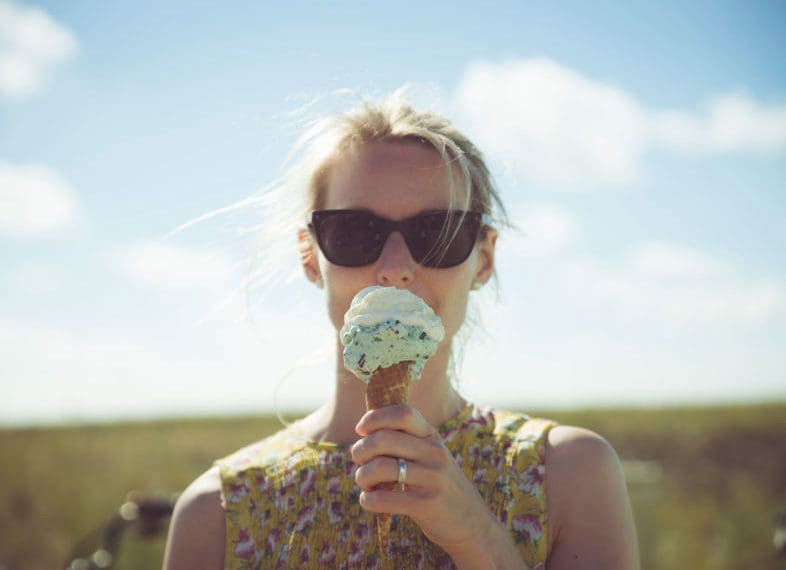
(387, 387)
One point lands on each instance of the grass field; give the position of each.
(706, 483)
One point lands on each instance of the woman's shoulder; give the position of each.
(576, 444)
(578, 456)
(586, 494)
(197, 521)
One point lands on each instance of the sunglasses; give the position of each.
(438, 239)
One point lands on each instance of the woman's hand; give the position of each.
(438, 497)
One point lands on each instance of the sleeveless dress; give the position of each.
(293, 503)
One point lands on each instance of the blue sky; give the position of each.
(639, 149)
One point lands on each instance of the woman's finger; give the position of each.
(386, 470)
(402, 417)
(396, 444)
(383, 501)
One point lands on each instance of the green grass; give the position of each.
(706, 498)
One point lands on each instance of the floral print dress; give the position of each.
(293, 503)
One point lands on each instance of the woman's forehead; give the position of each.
(393, 173)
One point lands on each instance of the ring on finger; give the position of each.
(402, 475)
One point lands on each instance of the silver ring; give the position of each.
(402, 474)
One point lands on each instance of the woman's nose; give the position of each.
(395, 268)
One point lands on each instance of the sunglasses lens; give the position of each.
(356, 238)
(348, 238)
(442, 239)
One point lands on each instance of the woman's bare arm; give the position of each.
(196, 538)
(589, 510)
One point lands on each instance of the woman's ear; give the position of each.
(308, 256)
(485, 266)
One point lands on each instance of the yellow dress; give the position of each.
(293, 503)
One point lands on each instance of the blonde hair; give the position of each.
(394, 119)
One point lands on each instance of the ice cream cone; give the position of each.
(387, 387)
(388, 335)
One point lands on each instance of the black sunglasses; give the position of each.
(439, 239)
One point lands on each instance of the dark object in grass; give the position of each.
(147, 516)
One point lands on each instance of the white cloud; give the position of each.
(668, 260)
(732, 122)
(562, 128)
(38, 277)
(566, 130)
(52, 373)
(672, 283)
(35, 202)
(172, 266)
(591, 365)
(49, 373)
(30, 43)
(545, 230)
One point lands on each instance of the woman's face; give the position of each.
(397, 180)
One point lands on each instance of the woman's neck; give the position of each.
(432, 395)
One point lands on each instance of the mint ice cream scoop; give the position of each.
(385, 326)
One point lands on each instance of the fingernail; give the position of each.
(360, 423)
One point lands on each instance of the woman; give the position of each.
(484, 488)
